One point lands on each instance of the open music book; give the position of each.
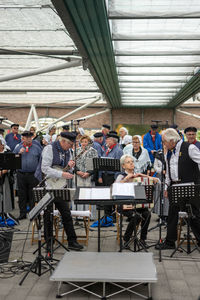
(94, 193)
(126, 190)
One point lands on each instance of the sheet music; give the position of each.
(94, 193)
(85, 193)
(103, 193)
(124, 189)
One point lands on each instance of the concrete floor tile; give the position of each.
(174, 274)
(179, 287)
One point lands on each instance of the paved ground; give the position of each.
(178, 277)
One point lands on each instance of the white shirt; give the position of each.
(194, 154)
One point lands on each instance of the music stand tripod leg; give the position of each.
(37, 263)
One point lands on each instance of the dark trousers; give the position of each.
(26, 182)
(173, 221)
(67, 221)
(143, 215)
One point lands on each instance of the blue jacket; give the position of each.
(149, 145)
(29, 159)
(98, 147)
(11, 142)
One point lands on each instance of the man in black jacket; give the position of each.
(182, 166)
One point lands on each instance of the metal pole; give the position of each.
(36, 118)
(73, 63)
(89, 116)
(189, 114)
(72, 112)
(29, 119)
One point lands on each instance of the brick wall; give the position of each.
(119, 116)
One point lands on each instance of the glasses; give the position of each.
(136, 142)
(128, 162)
(15, 127)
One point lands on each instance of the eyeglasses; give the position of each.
(136, 142)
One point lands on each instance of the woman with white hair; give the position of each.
(50, 135)
(123, 132)
(141, 157)
(143, 214)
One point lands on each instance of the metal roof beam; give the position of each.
(152, 17)
(157, 74)
(195, 64)
(157, 53)
(47, 90)
(167, 37)
(147, 81)
(30, 51)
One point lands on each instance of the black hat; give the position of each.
(193, 129)
(113, 135)
(27, 133)
(175, 126)
(112, 131)
(65, 127)
(2, 130)
(154, 126)
(14, 124)
(68, 135)
(98, 134)
(106, 126)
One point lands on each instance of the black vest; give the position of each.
(188, 170)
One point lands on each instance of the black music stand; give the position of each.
(39, 191)
(8, 161)
(106, 164)
(184, 197)
(138, 246)
(36, 266)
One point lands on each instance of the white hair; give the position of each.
(127, 139)
(124, 128)
(61, 138)
(171, 134)
(124, 157)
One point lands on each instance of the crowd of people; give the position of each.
(156, 156)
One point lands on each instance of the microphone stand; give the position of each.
(161, 207)
(74, 126)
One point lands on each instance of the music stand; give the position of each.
(8, 161)
(138, 246)
(184, 197)
(36, 266)
(106, 164)
(39, 191)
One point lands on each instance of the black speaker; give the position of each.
(5, 245)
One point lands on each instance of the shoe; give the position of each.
(75, 246)
(165, 245)
(21, 217)
(143, 244)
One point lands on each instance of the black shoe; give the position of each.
(75, 246)
(165, 245)
(21, 217)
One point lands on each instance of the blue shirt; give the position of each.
(98, 147)
(29, 159)
(11, 142)
(149, 145)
